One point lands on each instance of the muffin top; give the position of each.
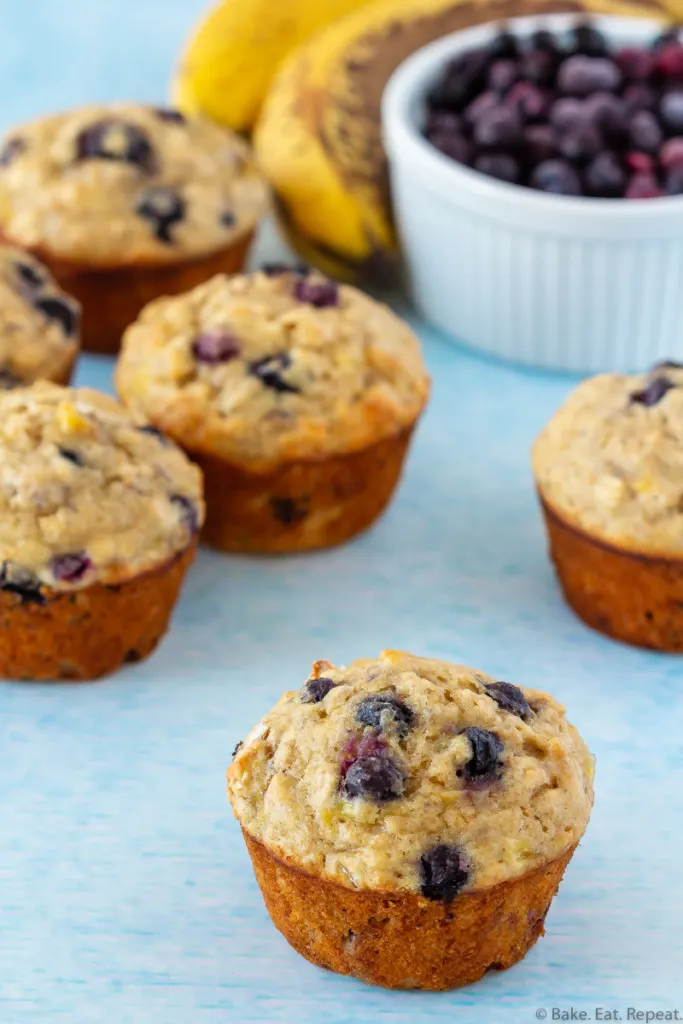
(126, 183)
(411, 773)
(38, 322)
(87, 493)
(274, 366)
(611, 460)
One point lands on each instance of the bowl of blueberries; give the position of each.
(537, 179)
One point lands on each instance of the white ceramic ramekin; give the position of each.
(560, 282)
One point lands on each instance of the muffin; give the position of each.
(609, 470)
(99, 516)
(297, 397)
(410, 820)
(39, 324)
(125, 203)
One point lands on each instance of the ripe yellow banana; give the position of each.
(237, 48)
(318, 139)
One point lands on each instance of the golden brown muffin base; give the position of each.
(301, 505)
(88, 633)
(632, 597)
(402, 940)
(112, 297)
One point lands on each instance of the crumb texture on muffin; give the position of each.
(274, 366)
(611, 460)
(38, 322)
(87, 493)
(406, 773)
(125, 183)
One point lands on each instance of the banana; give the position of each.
(318, 139)
(236, 49)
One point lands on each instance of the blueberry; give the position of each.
(70, 568)
(216, 346)
(557, 177)
(278, 269)
(238, 747)
(443, 122)
(605, 177)
(9, 380)
(528, 100)
(580, 144)
(269, 372)
(376, 778)
(609, 114)
(16, 580)
(503, 45)
(170, 114)
(315, 690)
(31, 277)
(586, 39)
(544, 41)
(509, 698)
(163, 208)
(498, 127)
(645, 133)
(72, 456)
(668, 364)
(673, 180)
(636, 64)
(643, 186)
(670, 36)
(670, 60)
(188, 511)
(10, 150)
(147, 428)
(443, 872)
(639, 96)
(672, 152)
(484, 764)
(567, 112)
(60, 310)
(671, 110)
(463, 79)
(498, 165)
(581, 75)
(319, 293)
(289, 510)
(113, 139)
(228, 219)
(540, 143)
(653, 392)
(456, 147)
(382, 711)
(539, 67)
(502, 75)
(484, 102)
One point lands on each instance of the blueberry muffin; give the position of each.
(609, 470)
(125, 203)
(39, 324)
(409, 820)
(297, 397)
(99, 516)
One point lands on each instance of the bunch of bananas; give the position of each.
(317, 122)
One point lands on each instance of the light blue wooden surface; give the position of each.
(125, 891)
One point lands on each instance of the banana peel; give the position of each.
(230, 61)
(318, 139)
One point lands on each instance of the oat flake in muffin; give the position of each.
(38, 323)
(87, 493)
(274, 366)
(126, 183)
(407, 773)
(611, 460)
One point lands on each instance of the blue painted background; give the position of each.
(126, 896)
